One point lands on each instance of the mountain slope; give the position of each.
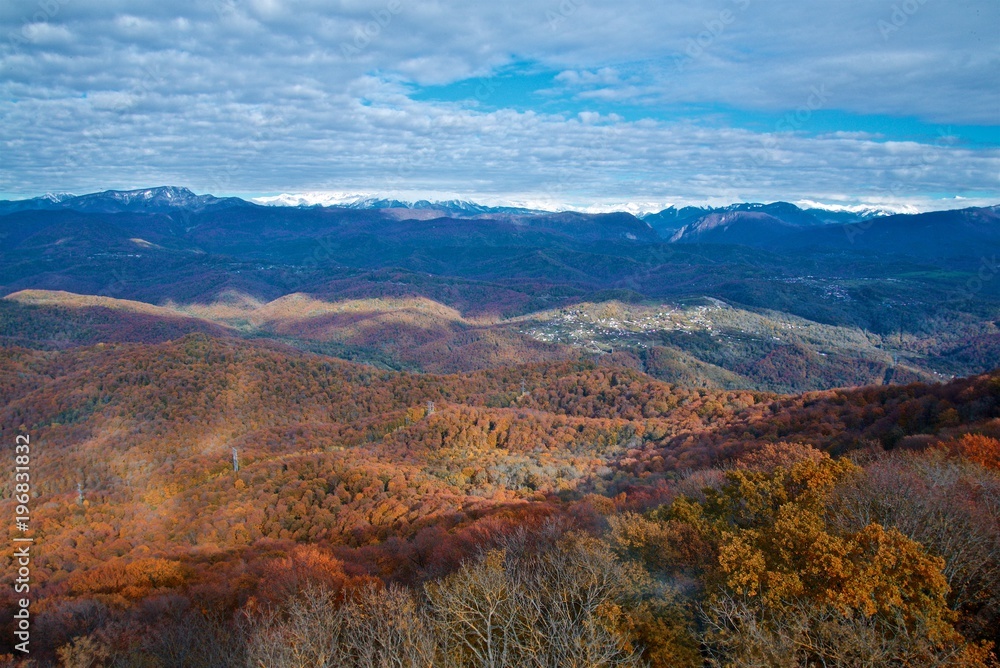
(669, 221)
(938, 234)
(916, 292)
(151, 200)
(748, 228)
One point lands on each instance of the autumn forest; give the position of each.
(286, 439)
(473, 519)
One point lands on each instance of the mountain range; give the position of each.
(778, 226)
(763, 296)
(173, 197)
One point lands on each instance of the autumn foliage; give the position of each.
(670, 526)
(978, 448)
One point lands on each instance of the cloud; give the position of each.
(264, 96)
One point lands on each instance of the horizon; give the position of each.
(640, 209)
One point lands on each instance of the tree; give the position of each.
(947, 504)
(84, 652)
(786, 584)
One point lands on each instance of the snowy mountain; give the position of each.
(694, 220)
(453, 207)
(151, 200)
(863, 211)
(689, 219)
(46, 201)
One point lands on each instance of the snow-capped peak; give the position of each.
(382, 201)
(316, 199)
(862, 210)
(56, 197)
(169, 193)
(448, 202)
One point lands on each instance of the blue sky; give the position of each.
(527, 87)
(569, 103)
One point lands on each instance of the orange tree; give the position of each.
(782, 587)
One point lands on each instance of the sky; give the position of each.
(548, 103)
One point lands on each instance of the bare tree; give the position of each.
(950, 506)
(556, 608)
(479, 613)
(739, 631)
(386, 628)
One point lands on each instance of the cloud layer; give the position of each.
(572, 101)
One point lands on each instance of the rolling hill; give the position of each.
(442, 293)
(383, 474)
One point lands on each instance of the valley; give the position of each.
(249, 416)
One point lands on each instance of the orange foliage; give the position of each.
(983, 450)
(119, 580)
(346, 462)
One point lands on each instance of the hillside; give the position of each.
(134, 458)
(809, 301)
(749, 431)
(701, 343)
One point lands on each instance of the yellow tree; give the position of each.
(784, 588)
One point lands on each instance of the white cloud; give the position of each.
(46, 34)
(262, 96)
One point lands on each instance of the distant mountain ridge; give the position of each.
(966, 232)
(169, 198)
(151, 200)
(776, 227)
(690, 219)
(775, 296)
(452, 206)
